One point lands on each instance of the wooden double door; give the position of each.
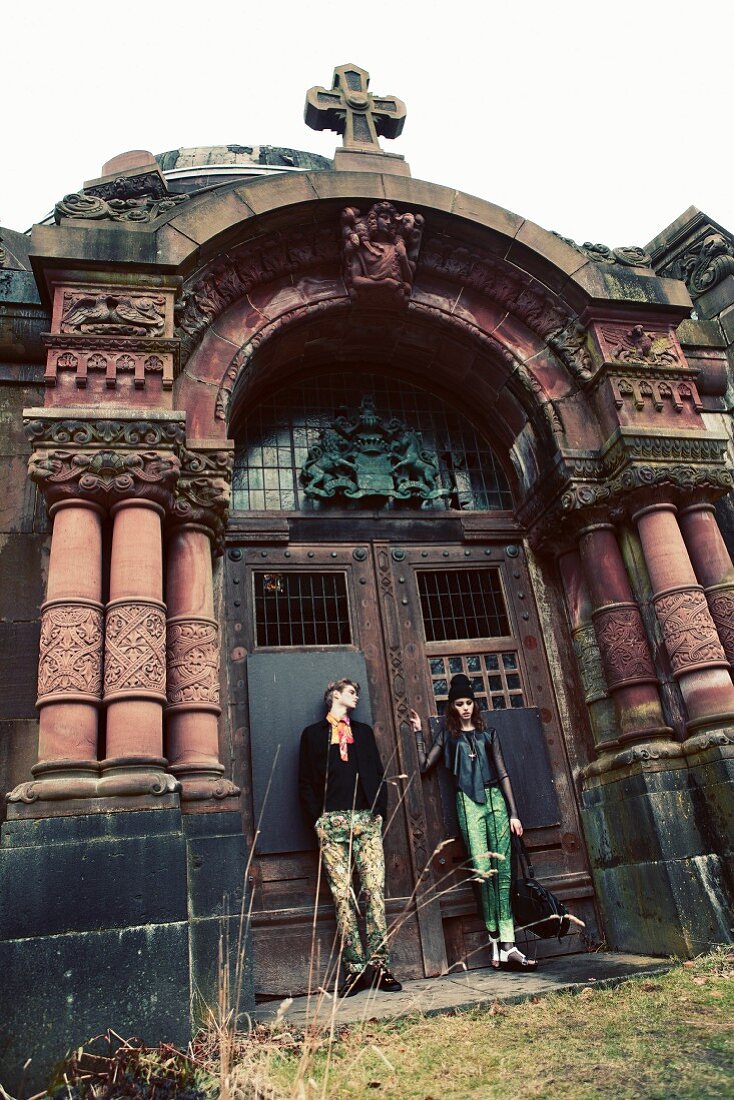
(404, 617)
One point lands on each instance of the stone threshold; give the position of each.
(462, 990)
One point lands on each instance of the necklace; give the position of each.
(472, 745)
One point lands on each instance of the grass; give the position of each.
(666, 1037)
(669, 1037)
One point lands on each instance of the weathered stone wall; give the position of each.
(24, 528)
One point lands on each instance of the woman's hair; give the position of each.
(453, 722)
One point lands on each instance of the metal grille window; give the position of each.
(273, 442)
(495, 678)
(466, 604)
(301, 609)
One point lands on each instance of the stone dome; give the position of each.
(205, 166)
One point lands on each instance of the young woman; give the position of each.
(485, 808)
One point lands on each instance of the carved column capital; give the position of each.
(103, 460)
(203, 490)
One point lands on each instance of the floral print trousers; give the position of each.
(348, 839)
(486, 829)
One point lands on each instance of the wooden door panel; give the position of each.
(555, 840)
(433, 913)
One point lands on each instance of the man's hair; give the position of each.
(338, 685)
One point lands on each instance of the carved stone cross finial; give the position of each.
(351, 110)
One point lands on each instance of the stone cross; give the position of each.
(352, 111)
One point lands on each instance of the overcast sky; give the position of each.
(603, 121)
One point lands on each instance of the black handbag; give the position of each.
(533, 907)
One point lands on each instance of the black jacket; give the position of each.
(313, 764)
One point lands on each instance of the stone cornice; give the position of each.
(630, 468)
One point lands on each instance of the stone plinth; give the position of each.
(115, 921)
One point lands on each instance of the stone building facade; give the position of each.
(267, 419)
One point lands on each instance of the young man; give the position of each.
(344, 798)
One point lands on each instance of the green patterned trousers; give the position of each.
(486, 829)
(348, 839)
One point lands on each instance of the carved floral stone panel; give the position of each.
(688, 629)
(721, 606)
(193, 663)
(623, 644)
(135, 648)
(71, 649)
(588, 655)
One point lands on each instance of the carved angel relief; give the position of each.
(380, 251)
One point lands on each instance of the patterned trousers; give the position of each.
(487, 829)
(348, 839)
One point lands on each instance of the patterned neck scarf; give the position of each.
(341, 734)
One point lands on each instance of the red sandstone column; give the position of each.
(70, 664)
(628, 665)
(135, 639)
(586, 648)
(197, 523)
(193, 668)
(696, 655)
(713, 566)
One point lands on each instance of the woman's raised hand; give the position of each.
(415, 721)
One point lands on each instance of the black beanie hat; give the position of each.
(460, 688)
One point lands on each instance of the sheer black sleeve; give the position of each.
(427, 760)
(504, 780)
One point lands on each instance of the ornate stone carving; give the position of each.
(120, 314)
(135, 649)
(350, 109)
(655, 392)
(614, 482)
(3, 254)
(199, 785)
(721, 605)
(104, 433)
(646, 756)
(637, 345)
(203, 489)
(626, 256)
(365, 457)
(588, 656)
(147, 209)
(70, 650)
(87, 779)
(623, 644)
(104, 475)
(569, 343)
(251, 265)
(705, 265)
(380, 252)
(193, 664)
(142, 185)
(688, 629)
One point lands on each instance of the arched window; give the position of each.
(276, 441)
